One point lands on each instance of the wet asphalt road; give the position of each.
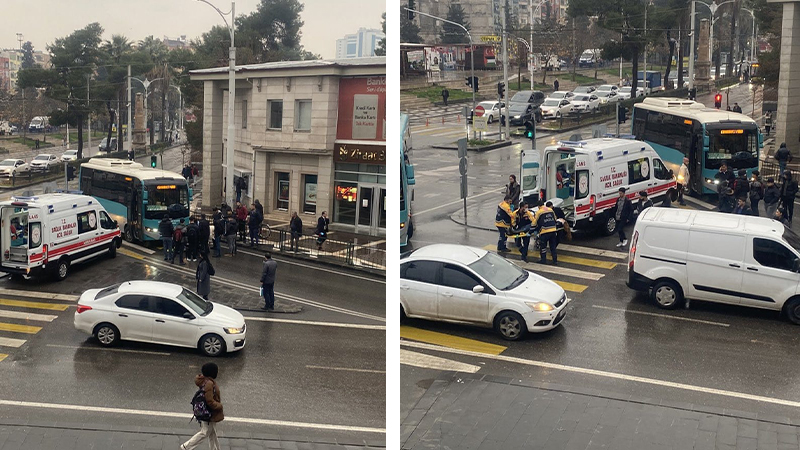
(611, 333)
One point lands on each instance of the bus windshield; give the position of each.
(167, 199)
(735, 147)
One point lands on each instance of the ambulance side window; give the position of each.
(638, 170)
(87, 222)
(35, 234)
(105, 222)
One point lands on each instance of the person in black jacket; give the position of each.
(219, 231)
(192, 239)
(622, 213)
(788, 192)
(643, 204)
(231, 229)
(772, 196)
(741, 186)
(756, 193)
(322, 229)
(513, 190)
(727, 201)
(205, 233)
(742, 208)
(253, 222)
(165, 229)
(296, 228)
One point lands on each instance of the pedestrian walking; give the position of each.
(186, 172)
(204, 227)
(783, 156)
(192, 239)
(322, 229)
(768, 121)
(741, 186)
(788, 193)
(525, 221)
(445, 95)
(165, 229)
(555, 84)
(241, 185)
(547, 226)
(683, 180)
(772, 196)
(231, 229)
(209, 394)
(296, 229)
(643, 204)
(179, 242)
(219, 231)
(504, 220)
(241, 219)
(268, 272)
(756, 193)
(622, 214)
(742, 208)
(203, 275)
(253, 221)
(513, 190)
(737, 108)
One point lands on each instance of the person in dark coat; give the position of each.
(253, 222)
(513, 190)
(165, 229)
(322, 229)
(742, 208)
(780, 216)
(783, 156)
(231, 228)
(240, 185)
(643, 204)
(241, 217)
(268, 272)
(772, 196)
(727, 201)
(788, 193)
(192, 239)
(756, 193)
(296, 228)
(203, 275)
(555, 85)
(741, 186)
(623, 211)
(445, 95)
(205, 233)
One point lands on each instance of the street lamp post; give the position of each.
(713, 8)
(229, 149)
(753, 38)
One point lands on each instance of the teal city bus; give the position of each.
(137, 197)
(678, 128)
(406, 182)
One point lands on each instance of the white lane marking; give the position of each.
(605, 374)
(313, 267)
(666, 316)
(592, 251)
(223, 280)
(138, 247)
(424, 361)
(9, 342)
(346, 369)
(319, 324)
(558, 270)
(698, 202)
(175, 415)
(456, 202)
(120, 350)
(27, 316)
(38, 294)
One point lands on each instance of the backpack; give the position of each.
(200, 409)
(191, 232)
(177, 235)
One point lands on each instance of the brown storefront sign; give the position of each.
(358, 153)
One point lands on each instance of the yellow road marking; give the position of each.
(448, 340)
(19, 328)
(35, 305)
(3, 356)
(571, 287)
(130, 253)
(561, 258)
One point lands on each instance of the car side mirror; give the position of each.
(188, 315)
(477, 289)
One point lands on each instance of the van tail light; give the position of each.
(632, 251)
(82, 308)
(592, 204)
(44, 253)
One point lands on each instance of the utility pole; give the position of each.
(130, 121)
(88, 117)
(505, 75)
(691, 46)
(644, 69)
(530, 59)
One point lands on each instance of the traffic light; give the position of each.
(500, 89)
(475, 84)
(410, 7)
(718, 101)
(530, 130)
(153, 161)
(468, 81)
(70, 172)
(621, 113)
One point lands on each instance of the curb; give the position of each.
(460, 221)
(477, 149)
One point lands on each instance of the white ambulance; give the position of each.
(50, 232)
(584, 178)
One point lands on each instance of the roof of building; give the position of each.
(308, 64)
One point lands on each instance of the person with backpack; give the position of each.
(756, 192)
(192, 240)
(727, 201)
(165, 229)
(204, 227)
(741, 187)
(179, 242)
(253, 222)
(207, 408)
(231, 229)
(219, 231)
(203, 275)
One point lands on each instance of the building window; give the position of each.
(275, 120)
(244, 114)
(302, 115)
(310, 194)
(282, 191)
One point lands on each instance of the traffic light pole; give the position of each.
(617, 118)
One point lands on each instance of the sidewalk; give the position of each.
(36, 435)
(473, 411)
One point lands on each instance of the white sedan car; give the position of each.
(455, 283)
(553, 108)
(159, 313)
(70, 155)
(607, 96)
(562, 95)
(13, 167)
(491, 111)
(43, 162)
(624, 93)
(585, 103)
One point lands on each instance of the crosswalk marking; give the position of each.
(559, 270)
(27, 316)
(593, 251)
(563, 258)
(425, 361)
(36, 294)
(447, 340)
(11, 342)
(571, 287)
(34, 305)
(3, 356)
(14, 328)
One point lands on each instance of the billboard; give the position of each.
(362, 109)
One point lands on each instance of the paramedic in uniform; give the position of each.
(546, 225)
(525, 220)
(504, 220)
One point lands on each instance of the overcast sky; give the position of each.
(42, 21)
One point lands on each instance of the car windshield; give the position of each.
(172, 199)
(625, 89)
(42, 158)
(551, 102)
(499, 272)
(8, 162)
(71, 152)
(487, 106)
(518, 107)
(195, 302)
(581, 98)
(521, 96)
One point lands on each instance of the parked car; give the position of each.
(492, 111)
(456, 283)
(523, 112)
(584, 90)
(553, 108)
(159, 313)
(43, 162)
(13, 167)
(607, 93)
(624, 93)
(533, 97)
(561, 95)
(104, 147)
(70, 155)
(585, 103)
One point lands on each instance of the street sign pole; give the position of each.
(462, 168)
(617, 118)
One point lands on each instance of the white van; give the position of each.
(741, 260)
(584, 178)
(52, 231)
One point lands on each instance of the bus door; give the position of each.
(696, 157)
(134, 199)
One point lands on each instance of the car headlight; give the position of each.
(540, 306)
(517, 116)
(152, 230)
(234, 330)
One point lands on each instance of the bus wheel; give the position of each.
(128, 233)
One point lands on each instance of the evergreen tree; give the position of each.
(27, 56)
(409, 31)
(452, 34)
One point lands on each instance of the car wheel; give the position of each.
(61, 269)
(403, 316)
(112, 249)
(667, 294)
(610, 225)
(107, 334)
(510, 325)
(212, 345)
(792, 309)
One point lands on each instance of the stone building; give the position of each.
(310, 137)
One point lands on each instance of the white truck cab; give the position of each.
(52, 231)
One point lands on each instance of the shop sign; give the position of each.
(369, 154)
